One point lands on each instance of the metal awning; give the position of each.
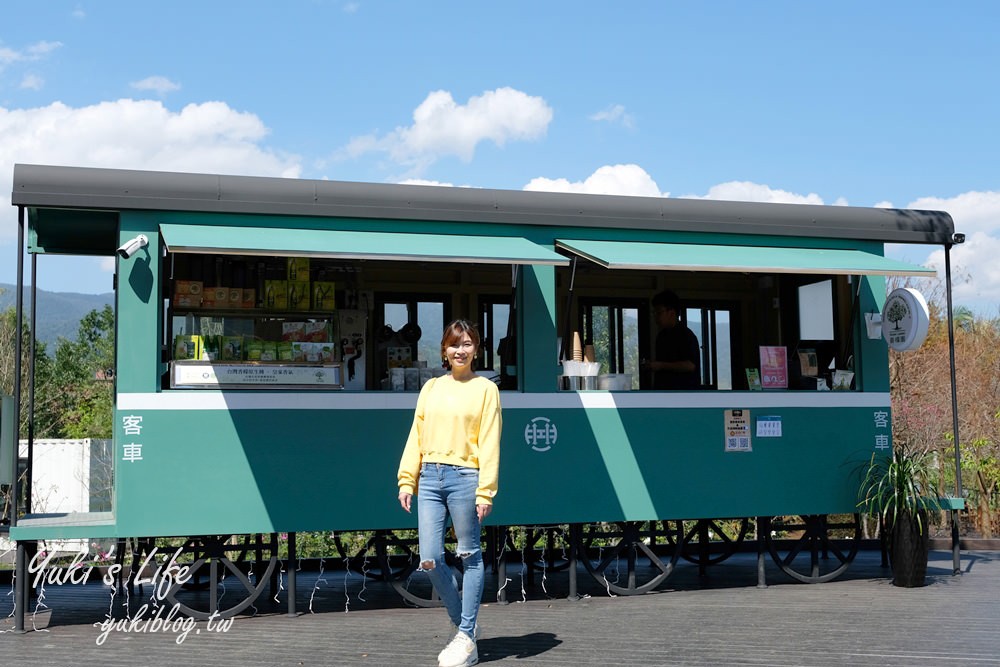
(339, 244)
(743, 259)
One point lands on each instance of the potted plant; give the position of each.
(893, 489)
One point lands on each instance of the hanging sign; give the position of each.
(905, 319)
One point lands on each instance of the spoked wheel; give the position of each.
(546, 548)
(629, 558)
(711, 541)
(801, 546)
(227, 575)
(360, 553)
(400, 556)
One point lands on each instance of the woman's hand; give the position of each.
(483, 511)
(405, 499)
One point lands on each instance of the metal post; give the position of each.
(762, 528)
(574, 532)
(291, 575)
(28, 472)
(955, 556)
(21, 572)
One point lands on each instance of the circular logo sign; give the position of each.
(905, 319)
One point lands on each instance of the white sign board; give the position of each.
(905, 319)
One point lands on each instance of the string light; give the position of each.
(319, 579)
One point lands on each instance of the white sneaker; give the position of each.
(461, 651)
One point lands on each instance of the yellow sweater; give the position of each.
(457, 423)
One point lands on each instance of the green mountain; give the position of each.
(58, 314)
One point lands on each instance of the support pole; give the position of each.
(763, 527)
(574, 533)
(955, 556)
(291, 575)
(21, 571)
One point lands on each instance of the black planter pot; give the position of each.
(909, 544)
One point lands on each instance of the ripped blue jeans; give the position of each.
(443, 491)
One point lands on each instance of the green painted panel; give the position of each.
(241, 471)
(139, 308)
(698, 257)
(460, 247)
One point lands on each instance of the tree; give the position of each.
(46, 401)
(84, 372)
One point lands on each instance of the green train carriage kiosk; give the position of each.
(272, 335)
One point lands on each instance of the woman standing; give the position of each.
(451, 462)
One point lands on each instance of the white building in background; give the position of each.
(69, 476)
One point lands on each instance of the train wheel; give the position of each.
(801, 546)
(400, 556)
(605, 548)
(360, 553)
(711, 541)
(227, 574)
(545, 548)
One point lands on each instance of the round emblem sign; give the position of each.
(905, 319)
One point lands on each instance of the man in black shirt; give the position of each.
(678, 357)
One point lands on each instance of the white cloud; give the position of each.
(32, 82)
(36, 51)
(135, 134)
(40, 49)
(615, 114)
(441, 127)
(619, 179)
(971, 211)
(756, 192)
(975, 270)
(161, 85)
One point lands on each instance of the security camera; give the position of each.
(958, 238)
(129, 248)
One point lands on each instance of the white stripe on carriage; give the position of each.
(222, 400)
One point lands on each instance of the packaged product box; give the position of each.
(249, 296)
(254, 349)
(323, 295)
(313, 353)
(268, 351)
(193, 287)
(232, 348)
(187, 347)
(316, 332)
(293, 331)
(211, 348)
(221, 297)
(399, 357)
(235, 299)
(187, 300)
(298, 269)
(276, 294)
(215, 297)
(298, 294)
(284, 350)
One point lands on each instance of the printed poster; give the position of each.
(737, 431)
(774, 367)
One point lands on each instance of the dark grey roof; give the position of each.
(42, 187)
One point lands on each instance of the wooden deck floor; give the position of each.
(721, 618)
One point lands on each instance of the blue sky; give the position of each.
(857, 103)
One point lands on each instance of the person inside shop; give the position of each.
(676, 363)
(451, 465)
